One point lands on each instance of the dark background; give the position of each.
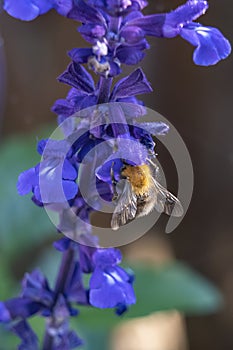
(198, 101)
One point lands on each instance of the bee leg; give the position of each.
(114, 184)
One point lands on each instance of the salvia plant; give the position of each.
(116, 31)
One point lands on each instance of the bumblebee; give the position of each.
(141, 193)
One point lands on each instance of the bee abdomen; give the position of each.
(145, 205)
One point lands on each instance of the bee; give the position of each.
(141, 193)
(98, 67)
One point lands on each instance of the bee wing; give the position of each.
(126, 207)
(166, 202)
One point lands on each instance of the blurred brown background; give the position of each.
(198, 101)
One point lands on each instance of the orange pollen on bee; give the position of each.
(139, 177)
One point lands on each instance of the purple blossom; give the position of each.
(110, 285)
(37, 297)
(28, 10)
(85, 94)
(47, 174)
(211, 44)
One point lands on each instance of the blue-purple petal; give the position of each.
(107, 257)
(80, 55)
(5, 315)
(110, 285)
(169, 24)
(132, 34)
(115, 69)
(132, 16)
(92, 32)
(70, 190)
(211, 45)
(67, 340)
(41, 146)
(133, 110)
(104, 171)
(78, 77)
(63, 7)
(62, 244)
(138, 153)
(175, 20)
(35, 287)
(135, 84)
(26, 334)
(69, 172)
(63, 108)
(44, 5)
(132, 55)
(154, 128)
(52, 184)
(27, 181)
(117, 121)
(85, 13)
(151, 25)
(21, 307)
(21, 9)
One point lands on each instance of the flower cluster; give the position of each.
(110, 287)
(117, 29)
(94, 150)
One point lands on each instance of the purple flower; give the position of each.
(28, 10)
(53, 175)
(211, 44)
(110, 285)
(99, 28)
(84, 93)
(38, 298)
(77, 77)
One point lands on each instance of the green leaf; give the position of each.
(175, 286)
(22, 223)
(172, 287)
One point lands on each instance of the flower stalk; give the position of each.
(63, 278)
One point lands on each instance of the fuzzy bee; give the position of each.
(140, 195)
